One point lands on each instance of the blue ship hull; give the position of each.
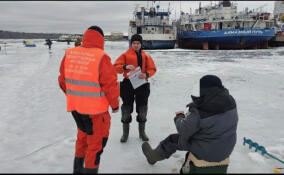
(158, 44)
(226, 39)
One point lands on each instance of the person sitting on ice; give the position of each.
(207, 131)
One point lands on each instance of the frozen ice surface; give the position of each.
(38, 135)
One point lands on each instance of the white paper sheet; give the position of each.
(133, 77)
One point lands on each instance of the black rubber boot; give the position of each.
(125, 132)
(90, 171)
(142, 134)
(152, 155)
(78, 165)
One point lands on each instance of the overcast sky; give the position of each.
(77, 16)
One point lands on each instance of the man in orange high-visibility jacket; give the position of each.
(89, 81)
(135, 57)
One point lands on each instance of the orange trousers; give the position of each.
(91, 146)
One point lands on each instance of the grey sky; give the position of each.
(76, 16)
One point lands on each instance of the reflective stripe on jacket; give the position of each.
(83, 90)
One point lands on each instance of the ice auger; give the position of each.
(263, 152)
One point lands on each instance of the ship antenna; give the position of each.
(180, 9)
(136, 9)
(175, 13)
(199, 7)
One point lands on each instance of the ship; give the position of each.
(155, 27)
(278, 39)
(220, 26)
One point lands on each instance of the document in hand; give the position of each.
(133, 77)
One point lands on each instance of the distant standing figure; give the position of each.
(68, 42)
(49, 43)
(78, 42)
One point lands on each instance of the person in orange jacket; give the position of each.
(89, 81)
(126, 62)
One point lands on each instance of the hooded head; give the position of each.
(136, 37)
(93, 37)
(209, 81)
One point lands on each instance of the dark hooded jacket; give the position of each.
(208, 130)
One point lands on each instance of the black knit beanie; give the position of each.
(98, 29)
(136, 37)
(209, 81)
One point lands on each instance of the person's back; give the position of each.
(89, 81)
(207, 131)
(217, 116)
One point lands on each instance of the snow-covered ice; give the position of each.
(38, 135)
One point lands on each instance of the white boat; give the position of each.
(155, 27)
(68, 38)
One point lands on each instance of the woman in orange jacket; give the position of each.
(126, 62)
(89, 81)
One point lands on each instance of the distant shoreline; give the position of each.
(23, 35)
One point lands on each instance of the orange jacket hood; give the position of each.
(93, 38)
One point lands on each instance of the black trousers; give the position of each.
(168, 146)
(128, 95)
(83, 122)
